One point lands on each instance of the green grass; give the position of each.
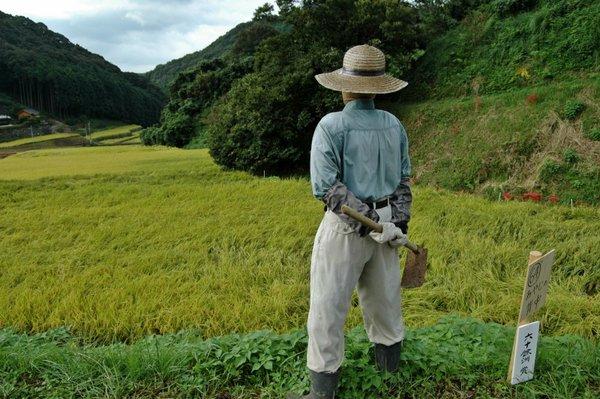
(133, 138)
(501, 142)
(113, 133)
(36, 139)
(120, 242)
(456, 358)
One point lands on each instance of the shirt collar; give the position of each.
(360, 104)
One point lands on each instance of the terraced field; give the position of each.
(114, 133)
(107, 245)
(36, 139)
(125, 241)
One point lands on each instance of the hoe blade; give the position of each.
(415, 268)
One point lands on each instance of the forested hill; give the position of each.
(165, 74)
(44, 70)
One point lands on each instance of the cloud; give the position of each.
(137, 35)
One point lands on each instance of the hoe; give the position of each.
(416, 259)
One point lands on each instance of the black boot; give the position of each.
(322, 386)
(387, 358)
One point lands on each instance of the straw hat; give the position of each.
(363, 71)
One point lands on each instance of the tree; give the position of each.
(264, 13)
(265, 122)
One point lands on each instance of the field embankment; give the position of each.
(544, 139)
(119, 132)
(120, 135)
(456, 358)
(119, 242)
(54, 140)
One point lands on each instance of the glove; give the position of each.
(403, 225)
(364, 230)
(389, 233)
(399, 241)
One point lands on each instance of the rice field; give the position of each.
(116, 132)
(120, 242)
(36, 139)
(134, 138)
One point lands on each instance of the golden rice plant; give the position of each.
(119, 242)
(36, 139)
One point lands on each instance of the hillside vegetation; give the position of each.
(165, 74)
(509, 44)
(43, 69)
(511, 142)
(156, 240)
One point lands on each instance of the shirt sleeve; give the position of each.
(402, 197)
(325, 178)
(325, 162)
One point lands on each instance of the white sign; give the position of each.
(536, 285)
(524, 351)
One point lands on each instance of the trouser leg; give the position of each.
(379, 294)
(339, 255)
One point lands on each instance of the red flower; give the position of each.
(553, 199)
(532, 99)
(506, 196)
(533, 196)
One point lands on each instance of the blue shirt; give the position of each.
(364, 148)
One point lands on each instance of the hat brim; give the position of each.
(360, 84)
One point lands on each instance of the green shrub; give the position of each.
(549, 170)
(572, 109)
(177, 128)
(593, 134)
(511, 7)
(152, 136)
(571, 156)
(576, 183)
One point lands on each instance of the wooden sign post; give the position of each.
(522, 360)
(524, 352)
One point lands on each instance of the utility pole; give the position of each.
(88, 132)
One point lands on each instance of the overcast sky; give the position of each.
(137, 35)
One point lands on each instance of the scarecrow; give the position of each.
(359, 158)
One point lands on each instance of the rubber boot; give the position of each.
(322, 386)
(387, 358)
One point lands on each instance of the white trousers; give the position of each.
(341, 261)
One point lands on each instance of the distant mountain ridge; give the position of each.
(165, 74)
(43, 69)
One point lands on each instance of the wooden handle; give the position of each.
(359, 217)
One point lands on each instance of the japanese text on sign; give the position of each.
(525, 352)
(536, 285)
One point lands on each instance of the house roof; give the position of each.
(30, 111)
